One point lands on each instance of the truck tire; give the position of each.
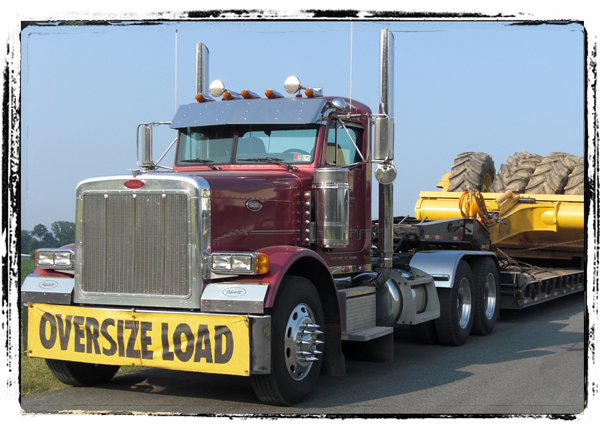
(514, 174)
(456, 308)
(296, 317)
(471, 169)
(575, 183)
(551, 174)
(486, 305)
(80, 373)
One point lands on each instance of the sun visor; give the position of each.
(256, 111)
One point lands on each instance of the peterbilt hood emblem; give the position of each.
(234, 291)
(48, 284)
(254, 205)
(134, 184)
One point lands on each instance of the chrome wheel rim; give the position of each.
(490, 296)
(301, 341)
(464, 303)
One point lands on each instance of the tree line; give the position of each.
(61, 233)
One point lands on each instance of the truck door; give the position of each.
(346, 148)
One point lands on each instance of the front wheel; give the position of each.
(80, 373)
(296, 360)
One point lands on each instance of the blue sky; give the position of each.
(493, 86)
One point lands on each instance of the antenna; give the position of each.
(175, 70)
(351, 36)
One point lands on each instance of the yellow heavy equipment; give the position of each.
(530, 215)
(522, 225)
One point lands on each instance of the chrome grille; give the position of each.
(135, 244)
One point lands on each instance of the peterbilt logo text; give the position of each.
(234, 292)
(48, 284)
(134, 184)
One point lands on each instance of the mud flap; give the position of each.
(380, 349)
(334, 362)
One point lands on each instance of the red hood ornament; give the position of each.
(134, 184)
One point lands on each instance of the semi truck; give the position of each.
(256, 254)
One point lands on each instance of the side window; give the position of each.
(342, 145)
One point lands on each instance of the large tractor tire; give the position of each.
(551, 174)
(575, 183)
(296, 363)
(514, 174)
(472, 169)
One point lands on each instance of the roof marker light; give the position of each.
(201, 98)
(313, 92)
(247, 94)
(272, 94)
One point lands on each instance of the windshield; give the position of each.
(246, 144)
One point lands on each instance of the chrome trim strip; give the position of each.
(37, 289)
(234, 298)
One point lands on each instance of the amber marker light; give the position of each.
(262, 263)
(247, 94)
(272, 94)
(227, 95)
(201, 98)
(309, 92)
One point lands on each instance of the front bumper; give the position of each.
(201, 342)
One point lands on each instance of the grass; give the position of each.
(35, 376)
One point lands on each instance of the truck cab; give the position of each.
(263, 157)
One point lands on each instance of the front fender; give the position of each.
(281, 259)
(253, 294)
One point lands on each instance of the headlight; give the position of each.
(239, 263)
(54, 258)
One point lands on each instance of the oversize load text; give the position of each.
(187, 342)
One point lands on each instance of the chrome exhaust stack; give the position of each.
(383, 154)
(201, 68)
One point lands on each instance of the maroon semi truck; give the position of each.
(256, 253)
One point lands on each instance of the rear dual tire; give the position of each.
(471, 306)
(456, 308)
(486, 296)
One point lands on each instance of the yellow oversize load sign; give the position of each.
(205, 343)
